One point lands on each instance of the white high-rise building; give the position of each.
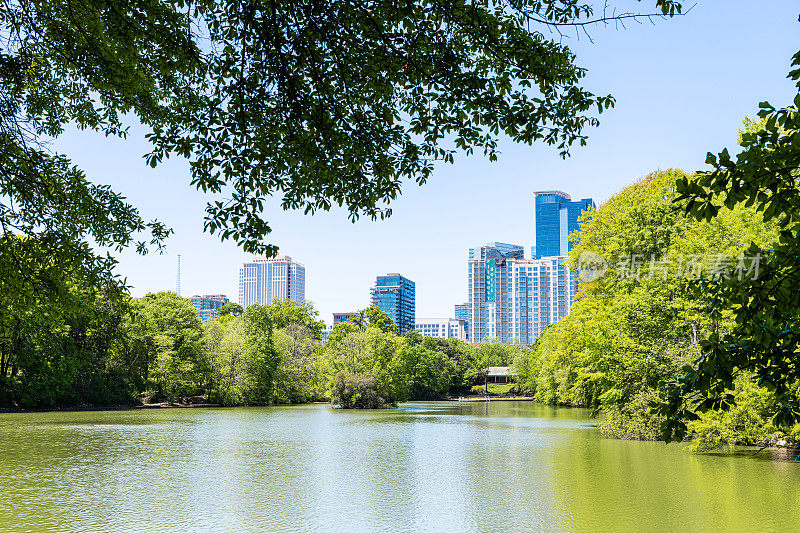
(262, 280)
(442, 328)
(512, 298)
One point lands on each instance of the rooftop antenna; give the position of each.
(178, 282)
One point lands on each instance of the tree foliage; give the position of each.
(632, 329)
(372, 316)
(287, 312)
(170, 334)
(56, 331)
(358, 391)
(231, 308)
(318, 104)
(763, 340)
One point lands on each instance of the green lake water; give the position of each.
(505, 466)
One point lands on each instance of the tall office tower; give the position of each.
(394, 295)
(555, 216)
(208, 306)
(462, 313)
(264, 279)
(441, 328)
(512, 298)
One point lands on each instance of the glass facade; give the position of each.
(263, 280)
(555, 217)
(208, 305)
(394, 294)
(512, 298)
(462, 313)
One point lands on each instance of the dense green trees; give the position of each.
(359, 391)
(169, 333)
(763, 341)
(429, 372)
(374, 317)
(56, 330)
(253, 362)
(231, 308)
(635, 327)
(156, 349)
(288, 312)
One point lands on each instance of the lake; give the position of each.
(438, 466)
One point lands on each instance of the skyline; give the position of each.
(667, 79)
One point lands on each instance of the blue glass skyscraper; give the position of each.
(394, 295)
(514, 299)
(555, 216)
(208, 306)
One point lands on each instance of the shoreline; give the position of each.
(474, 398)
(133, 407)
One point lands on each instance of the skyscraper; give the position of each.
(265, 279)
(555, 216)
(512, 298)
(208, 305)
(394, 295)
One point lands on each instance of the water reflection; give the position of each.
(425, 466)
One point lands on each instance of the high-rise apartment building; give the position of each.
(555, 216)
(512, 298)
(442, 328)
(394, 295)
(263, 280)
(462, 313)
(208, 306)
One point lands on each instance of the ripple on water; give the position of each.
(423, 467)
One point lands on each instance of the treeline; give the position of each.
(274, 354)
(105, 350)
(638, 327)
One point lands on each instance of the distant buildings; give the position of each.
(512, 298)
(263, 280)
(442, 328)
(462, 313)
(394, 295)
(555, 216)
(338, 318)
(208, 306)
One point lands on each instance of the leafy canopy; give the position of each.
(231, 308)
(285, 312)
(764, 339)
(372, 316)
(313, 103)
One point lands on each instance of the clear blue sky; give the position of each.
(682, 89)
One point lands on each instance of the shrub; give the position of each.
(633, 420)
(358, 391)
(745, 422)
